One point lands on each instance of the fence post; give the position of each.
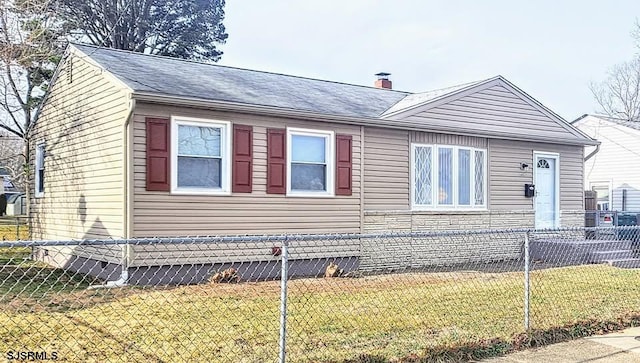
(526, 281)
(17, 228)
(284, 275)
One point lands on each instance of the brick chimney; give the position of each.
(383, 80)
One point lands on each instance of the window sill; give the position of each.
(201, 192)
(430, 212)
(449, 210)
(446, 211)
(38, 195)
(310, 195)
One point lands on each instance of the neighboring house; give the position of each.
(7, 185)
(15, 199)
(7, 191)
(5, 181)
(132, 145)
(16, 204)
(612, 170)
(14, 195)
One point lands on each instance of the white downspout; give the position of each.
(124, 274)
(593, 153)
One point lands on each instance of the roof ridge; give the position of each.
(130, 52)
(461, 85)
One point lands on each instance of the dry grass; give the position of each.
(386, 317)
(11, 233)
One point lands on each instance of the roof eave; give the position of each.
(51, 84)
(153, 97)
(70, 51)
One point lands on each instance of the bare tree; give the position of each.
(635, 33)
(188, 29)
(12, 160)
(31, 44)
(33, 34)
(619, 94)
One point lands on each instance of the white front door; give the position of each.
(546, 184)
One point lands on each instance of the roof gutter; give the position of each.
(312, 116)
(597, 149)
(593, 153)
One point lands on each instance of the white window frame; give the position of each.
(225, 151)
(329, 137)
(485, 176)
(609, 185)
(412, 175)
(435, 187)
(40, 149)
(454, 182)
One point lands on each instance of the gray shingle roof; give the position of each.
(163, 76)
(630, 124)
(176, 77)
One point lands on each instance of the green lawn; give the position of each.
(387, 316)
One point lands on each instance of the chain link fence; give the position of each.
(322, 298)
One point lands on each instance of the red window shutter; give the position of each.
(344, 164)
(242, 170)
(158, 144)
(276, 161)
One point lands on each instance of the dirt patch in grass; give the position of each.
(351, 285)
(393, 280)
(31, 286)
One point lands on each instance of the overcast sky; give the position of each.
(550, 49)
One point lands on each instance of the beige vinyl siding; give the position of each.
(447, 139)
(107, 253)
(386, 169)
(386, 164)
(494, 111)
(506, 179)
(166, 214)
(81, 124)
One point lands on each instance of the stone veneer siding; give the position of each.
(572, 218)
(402, 221)
(406, 253)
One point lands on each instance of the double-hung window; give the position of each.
(310, 155)
(200, 156)
(39, 170)
(444, 176)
